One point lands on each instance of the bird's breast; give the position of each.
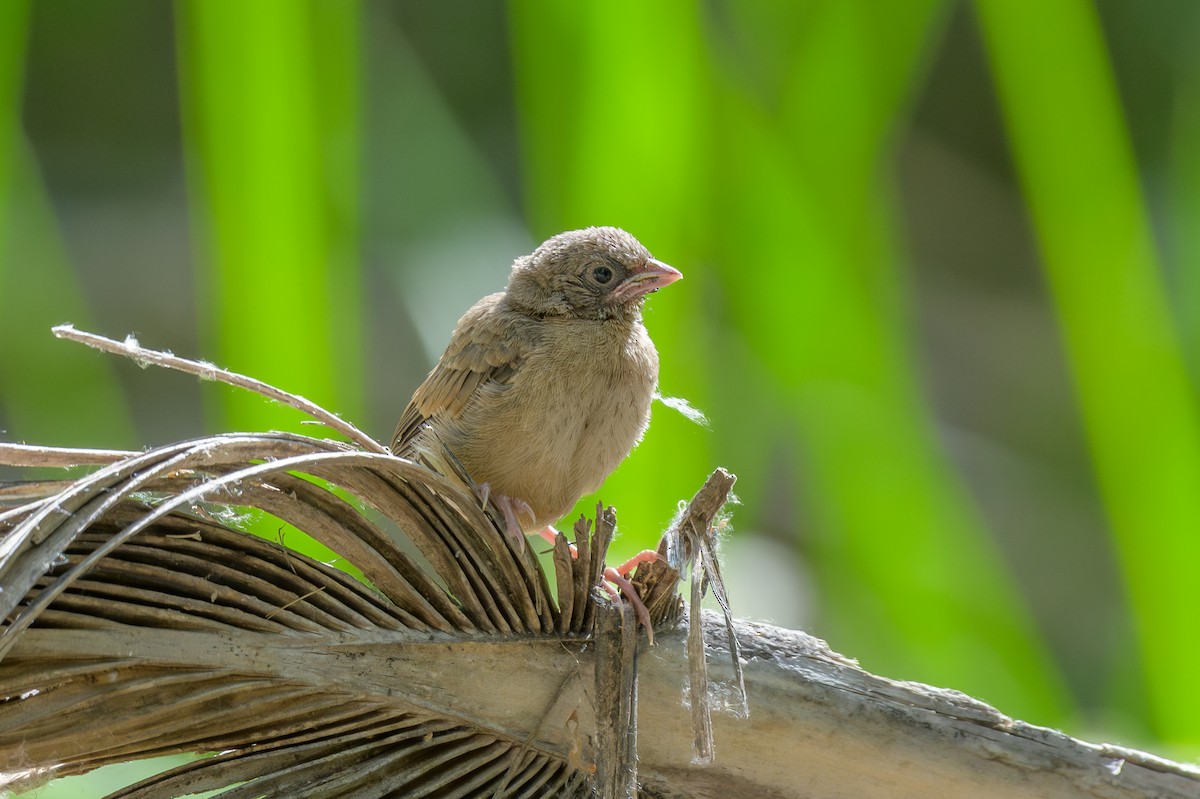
(578, 405)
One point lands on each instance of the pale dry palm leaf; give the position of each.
(139, 621)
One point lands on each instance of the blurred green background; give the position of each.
(942, 299)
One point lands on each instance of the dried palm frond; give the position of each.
(140, 620)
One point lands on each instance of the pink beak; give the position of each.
(645, 278)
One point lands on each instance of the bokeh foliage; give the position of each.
(333, 182)
(1137, 401)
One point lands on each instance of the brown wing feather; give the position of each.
(484, 350)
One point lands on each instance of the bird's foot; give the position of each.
(619, 578)
(512, 508)
(614, 577)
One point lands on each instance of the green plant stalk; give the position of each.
(270, 112)
(910, 582)
(1080, 180)
(1184, 208)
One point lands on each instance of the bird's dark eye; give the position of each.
(602, 274)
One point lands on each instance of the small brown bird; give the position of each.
(545, 387)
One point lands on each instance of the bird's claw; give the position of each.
(510, 507)
(614, 577)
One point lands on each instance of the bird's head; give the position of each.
(594, 273)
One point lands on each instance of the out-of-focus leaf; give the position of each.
(271, 106)
(47, 392)
(910, 581)
(14, 20)
(1184, 175)
(1080, 179)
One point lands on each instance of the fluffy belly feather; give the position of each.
(510, 441)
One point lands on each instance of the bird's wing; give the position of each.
(487, 348)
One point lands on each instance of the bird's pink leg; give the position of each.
(645, 556)
(549, 533)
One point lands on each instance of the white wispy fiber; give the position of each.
(685, 408)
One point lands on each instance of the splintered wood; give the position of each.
(689, 547)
